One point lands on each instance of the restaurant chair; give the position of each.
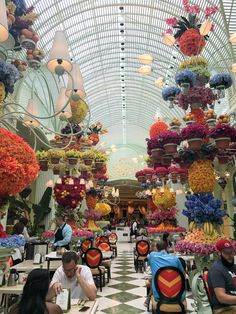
(141, 253)
(169, 282)
(103, 239)
(113, 238)
(85, 245)
(97, 241)
(93, 259)
(106, 263)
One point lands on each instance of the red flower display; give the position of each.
(18, 163)
(202, 95)
(191, 42)
(157, 128)
(69, 193)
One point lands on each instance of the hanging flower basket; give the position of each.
(223, 159)
(195, 105)
(72, 160)
(67, 172)
(88, 162)
(190, 122)
(99, 165)
(166, 160)
(55, 160)
(157, 152)
(161, 172)
(222, 142)
(56, 171)
(195, 144)
(211, 123)
(43, 165)
(170, 148)
(27, 43)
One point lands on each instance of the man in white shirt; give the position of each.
(77, 278)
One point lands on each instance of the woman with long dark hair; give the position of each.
(166, 239)
(33, 300)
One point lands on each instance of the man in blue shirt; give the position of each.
(162, 259)
(63, 233)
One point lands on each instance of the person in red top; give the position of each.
(222, 280)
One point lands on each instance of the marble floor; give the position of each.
(126, 292)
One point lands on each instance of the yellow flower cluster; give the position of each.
(103, 208)
(164, 198)
(198, 236)
(29, 17)
(193, 62)
(201, 176)
(79, 110)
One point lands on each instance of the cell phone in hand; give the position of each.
(84, 309)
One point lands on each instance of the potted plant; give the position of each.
(161, 172)
(100, 159)
(55, 155)
(149, 172)
(223, 134)
(169, 140)
(72, 156)
(56, 168)
(148, 160)
(197, 97)
(88, 157)
(42, 157)
(155, 148)
(194, 134)
(210, 118)
(140, 175)
(185, 79)
(221, 82)
(175, 124)
(169, 93)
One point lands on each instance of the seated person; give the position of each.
(25, 222)
(77, 278)
(142, 235)
(148, 276)
(63, 234)
(222, 280)
(34, 295)
(167, 240)
(162, 259)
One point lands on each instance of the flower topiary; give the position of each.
(201, 176)
(157, 128)
(170, 91)
(18, 164)
(164, 198)
(103, 208)
(221, 80)
(185, 76)
(191, 42)
(169, 137)
(193, 131)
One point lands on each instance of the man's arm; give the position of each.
(223, 297)
(87, 284)
(67, 234)
(55, 286)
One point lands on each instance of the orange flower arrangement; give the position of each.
(157, 128)
(18, 163)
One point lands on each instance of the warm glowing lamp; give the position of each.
(145, 70)
(168, 39)
(32, 109)
(205, 28)
(145, 59)
(232, 39)
(59, 54)
(159, 82)
(3, 22)
(233, 67)
(77, 80)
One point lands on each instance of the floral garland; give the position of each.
(163, 228)
(18, 164)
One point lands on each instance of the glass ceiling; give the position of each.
(106, 36)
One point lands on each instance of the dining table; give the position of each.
(29, 265)
(9, 290)
(75, 308)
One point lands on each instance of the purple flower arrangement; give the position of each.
(204, 208)
(153, 143)
(161, 215)
(8, 76)
(219, 80)
(82, 233)
(223, 130)
(186, 76)
(196, 248)
(169, 137)
(13, 241)
(202, 95)
(76, 129)
(69, 193)
(161, 170)
(170, 91)
(140, 173)
(193, 131)
(92, 214)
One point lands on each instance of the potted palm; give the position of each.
(55, 155)
(42, 157)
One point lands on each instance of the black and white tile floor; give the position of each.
(126, 291)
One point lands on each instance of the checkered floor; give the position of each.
(125, 292)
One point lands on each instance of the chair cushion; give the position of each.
(168, 307)
(106, 264)
(142, 258)
(113, 246)
(95, 271)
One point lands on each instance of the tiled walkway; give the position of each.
(125, 292)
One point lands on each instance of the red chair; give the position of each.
(97, 241)
(107, 263)
(113, 238)
(104, 239)
(104, 246)
(85, 245)
(206, 286)
(170, 285)
(142, 251)
(93, 259)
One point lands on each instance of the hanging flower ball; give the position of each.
(191, 42)
(164, 198)
(103, 208)
(201, 176)
(79, 110)
(18, 164)
(69, 193)
(157, 128)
